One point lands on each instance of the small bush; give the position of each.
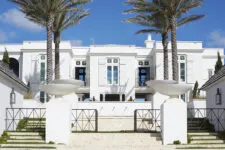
(4, 137)
(221, 135)
(188, 139)
(51, 142)
(21, 125)
(176, 142)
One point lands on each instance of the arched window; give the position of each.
(14, 65)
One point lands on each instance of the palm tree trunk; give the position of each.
(165, 54)
(57, 57)
(49, 48)
(173, 23)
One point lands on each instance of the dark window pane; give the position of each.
(146, 63)
(115, 60)
(42, 75)
(140, 62)
(109, 74)
(77, 62)
(109, 60)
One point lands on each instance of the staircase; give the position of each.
(200, 136)
(30, 134)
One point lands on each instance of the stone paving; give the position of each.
(114, 141)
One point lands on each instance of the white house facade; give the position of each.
(12, 92)
(113, 72)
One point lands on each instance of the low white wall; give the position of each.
(193, 111)
(114, 108)
(6, 86)
(31, 103)
(196, 104)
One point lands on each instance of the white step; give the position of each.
(201, 133)
(209, 137)
(212, 146)
(29, 145)
(207, 142)
(26, 141)
(26, 137)
(25, 133)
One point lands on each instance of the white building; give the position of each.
(113, 72)
(215, 90)
(12, 91)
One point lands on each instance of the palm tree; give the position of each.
(160, 12)
(174, 10)
(44, 12)
(63, 21)
(154, 24)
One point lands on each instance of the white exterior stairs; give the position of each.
(30, 135)
(201, 137)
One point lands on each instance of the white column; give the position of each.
(174, 121)
(58, 121)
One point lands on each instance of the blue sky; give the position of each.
(105, 26)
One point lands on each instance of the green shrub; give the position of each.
(6, 58)
(21, 125)
(221, 135)
(176, 142)
(51, 142)
(4, 137)
(188, 139)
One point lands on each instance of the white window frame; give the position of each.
(185, 68)
(43, 61)
(112, 64)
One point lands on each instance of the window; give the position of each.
(115, 60)
(109, 60)
(140, 63)
(146, 63)
(112, 71)
(101, 97)
(109, 74)
(182, 72)
(42, 57)
(115, 74)
(80, 73)
(123, 97)
(42, 96)
(183, 97)
(144, 75)
(218, 97)
(83, 63)
(42, 75)
(182, 68)
(77, 62)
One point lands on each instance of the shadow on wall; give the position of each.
(35, 82)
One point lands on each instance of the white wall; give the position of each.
(211, 103)
(114, 108)
(6, 87)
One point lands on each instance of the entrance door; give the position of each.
(112, 97)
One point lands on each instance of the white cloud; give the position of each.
(217, 38)
(76, 42)
(4, 36)
(17, 18)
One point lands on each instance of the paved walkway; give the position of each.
(114, 141)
